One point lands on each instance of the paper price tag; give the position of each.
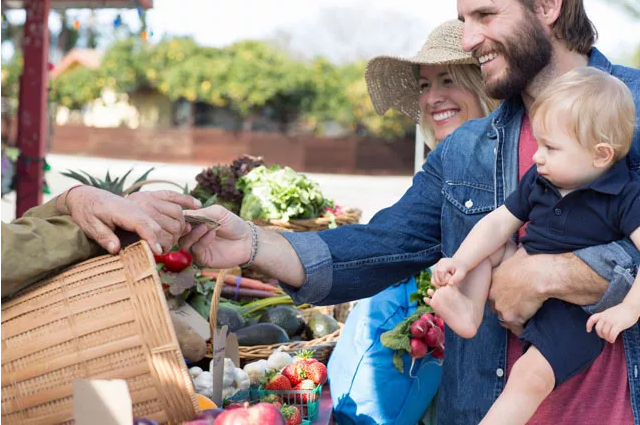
(217, 368)
(101, 402)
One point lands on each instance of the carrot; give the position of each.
(247, 293)
(245, 282)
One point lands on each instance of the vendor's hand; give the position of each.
(515, 293)
(225, 247)
(165, 208)
(98, 213)
(448, 272)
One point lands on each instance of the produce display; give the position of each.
(279, 388)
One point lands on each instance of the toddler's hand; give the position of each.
(612, 321)
(447, 272)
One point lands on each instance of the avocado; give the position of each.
(231, 318)
(285, 316)
(261, 334)
(321, 325)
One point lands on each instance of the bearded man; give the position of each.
(522, 45)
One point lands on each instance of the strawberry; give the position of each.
(294, 373)
(307, 385)
(292, 414)
(272, 399)
(276, 382)
(316, 371)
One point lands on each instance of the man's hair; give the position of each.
(573, 26)
(467, 77)
(594, 107)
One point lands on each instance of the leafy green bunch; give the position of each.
(218, 184)
(280, 193)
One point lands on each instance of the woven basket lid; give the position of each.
(105, 318)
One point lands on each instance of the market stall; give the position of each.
(188, 341)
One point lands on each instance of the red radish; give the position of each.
(434, 337)
(439, 322)
(427, 317)
(438, 353)
(419, 329)
(419, 348)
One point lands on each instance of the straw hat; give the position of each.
(392, 81)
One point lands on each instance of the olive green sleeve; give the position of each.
(38, 243)
(47, 210)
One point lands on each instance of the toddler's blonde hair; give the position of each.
(595, 107)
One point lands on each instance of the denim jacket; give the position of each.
(468, 175)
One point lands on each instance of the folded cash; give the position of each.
(195, 220)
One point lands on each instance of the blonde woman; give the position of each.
(440, 87)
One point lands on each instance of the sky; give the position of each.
(338, 29)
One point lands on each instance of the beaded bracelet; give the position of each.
(254, 245)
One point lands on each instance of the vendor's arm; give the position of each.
(337, 265)
(63, 231)
(32, 246)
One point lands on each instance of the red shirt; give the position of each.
(599, 395)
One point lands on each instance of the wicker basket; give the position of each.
(322, 346)
(105, 318)
(349, 216)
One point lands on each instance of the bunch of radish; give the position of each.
(427, 337)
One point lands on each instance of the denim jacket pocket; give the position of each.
(466, 203)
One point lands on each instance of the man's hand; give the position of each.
(521, 283)
(227, 246)
(515, 287)
(98, 213)
(165, 208)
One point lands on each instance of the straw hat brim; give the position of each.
(392, 83)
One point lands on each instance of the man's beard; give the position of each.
(526, 53)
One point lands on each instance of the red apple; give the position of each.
(260, 414)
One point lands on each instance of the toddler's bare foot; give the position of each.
(458, 311)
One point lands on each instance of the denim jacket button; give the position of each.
(468, 204)
(500, 372)
(558, 211)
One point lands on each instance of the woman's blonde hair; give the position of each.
(469, 78)
(594, 107)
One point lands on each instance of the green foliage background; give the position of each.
(246, 77)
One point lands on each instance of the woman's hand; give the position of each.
(227, 246)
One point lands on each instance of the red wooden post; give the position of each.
(32, 108)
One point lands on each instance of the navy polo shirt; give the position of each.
(603, 211)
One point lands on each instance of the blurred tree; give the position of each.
(198, 76)
(11, 72)
(76, 87)
(258, 74)
(329, 101)
(166, 54)
(122, 67)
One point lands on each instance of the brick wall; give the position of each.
(208, 146)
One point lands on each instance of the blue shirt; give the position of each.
(602, 211)
(468, 175)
